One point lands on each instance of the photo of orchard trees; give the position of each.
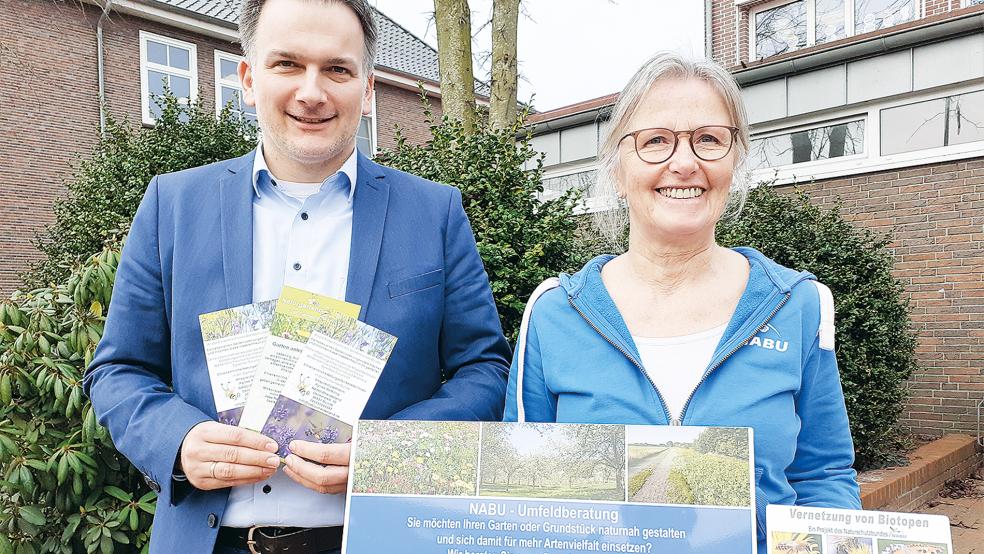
(542, 460)
(702, 466)
(416, 457)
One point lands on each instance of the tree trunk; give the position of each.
(505, 19)
(453, 21)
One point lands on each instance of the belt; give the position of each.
(268, 540)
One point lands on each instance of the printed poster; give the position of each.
(803, 530)
(296, 314)
(234, 341)
(325, 393)
(514, 488)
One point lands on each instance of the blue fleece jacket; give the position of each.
(770, 372)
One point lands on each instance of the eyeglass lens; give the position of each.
(708, 143)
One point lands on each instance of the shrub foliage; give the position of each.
(521, 239)
(65, 488)
(106, 188)
(875, 342)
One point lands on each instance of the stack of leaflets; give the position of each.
(299, 367)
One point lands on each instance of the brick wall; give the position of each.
(397, 106)
(723, 41)
(49, 112)
(935, 214)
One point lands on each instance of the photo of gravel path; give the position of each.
(648, 472)
(698, 466)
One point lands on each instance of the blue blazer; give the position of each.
(414, 269)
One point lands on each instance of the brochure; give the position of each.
(296, 314)
(330, 383)
(234, 340)
(471, 488)
(803, 530)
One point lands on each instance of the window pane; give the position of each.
(181, 87)
(821, 143)
(830, 20)
(228, 70)
(966, 118)
(780, 29)
(178, 58)
(363, 139)
(913, 127)
(585, 181)
(155, 82)
(230, 95)
(871, 15)
(156, 52)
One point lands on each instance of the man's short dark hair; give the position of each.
(249, 17)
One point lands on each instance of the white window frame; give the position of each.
(220, 82)
(373, 139)
(811, 21)
(872, 159)
(191, 74)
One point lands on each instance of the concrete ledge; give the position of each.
(903, 489)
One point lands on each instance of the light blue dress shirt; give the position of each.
(300, 239)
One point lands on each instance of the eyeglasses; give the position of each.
(709, 143)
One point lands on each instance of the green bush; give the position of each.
(521, 239)
(106, 188)
(65, 488)
(875, 341)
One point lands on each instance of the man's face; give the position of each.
(305, 77)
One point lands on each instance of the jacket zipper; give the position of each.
(707, 373)
(662, 403)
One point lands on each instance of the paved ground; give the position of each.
(655, 488)
(966, 513)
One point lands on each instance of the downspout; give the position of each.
(99, 63)
(708, 30)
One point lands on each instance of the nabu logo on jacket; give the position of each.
(769, 338)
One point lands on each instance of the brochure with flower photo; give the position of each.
(234, 341)
(795, 529)
(296, 315)
(330, 383)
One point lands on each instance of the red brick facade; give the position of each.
(935, 214)
(50, 116)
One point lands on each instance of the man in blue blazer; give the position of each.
(306, 210)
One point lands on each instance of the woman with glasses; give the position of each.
(678, 330)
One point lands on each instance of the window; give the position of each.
(946, 121)
(779, 27)
(165, 63)
(228, 89)
(363, 137)
(871, 15)
(817, 143)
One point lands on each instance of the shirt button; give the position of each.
(297, 267)
(304, 216)
(212, 520)
(266, 489)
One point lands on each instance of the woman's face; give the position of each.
(683, 196)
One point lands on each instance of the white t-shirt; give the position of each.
(676, 364)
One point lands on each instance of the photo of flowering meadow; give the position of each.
(413, 457)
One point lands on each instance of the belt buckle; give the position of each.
(250, 541)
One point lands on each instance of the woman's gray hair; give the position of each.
(666, 65)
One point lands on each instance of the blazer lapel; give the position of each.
(368, 219)
(236, 196)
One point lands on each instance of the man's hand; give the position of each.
(215, 456)
(327, 470)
